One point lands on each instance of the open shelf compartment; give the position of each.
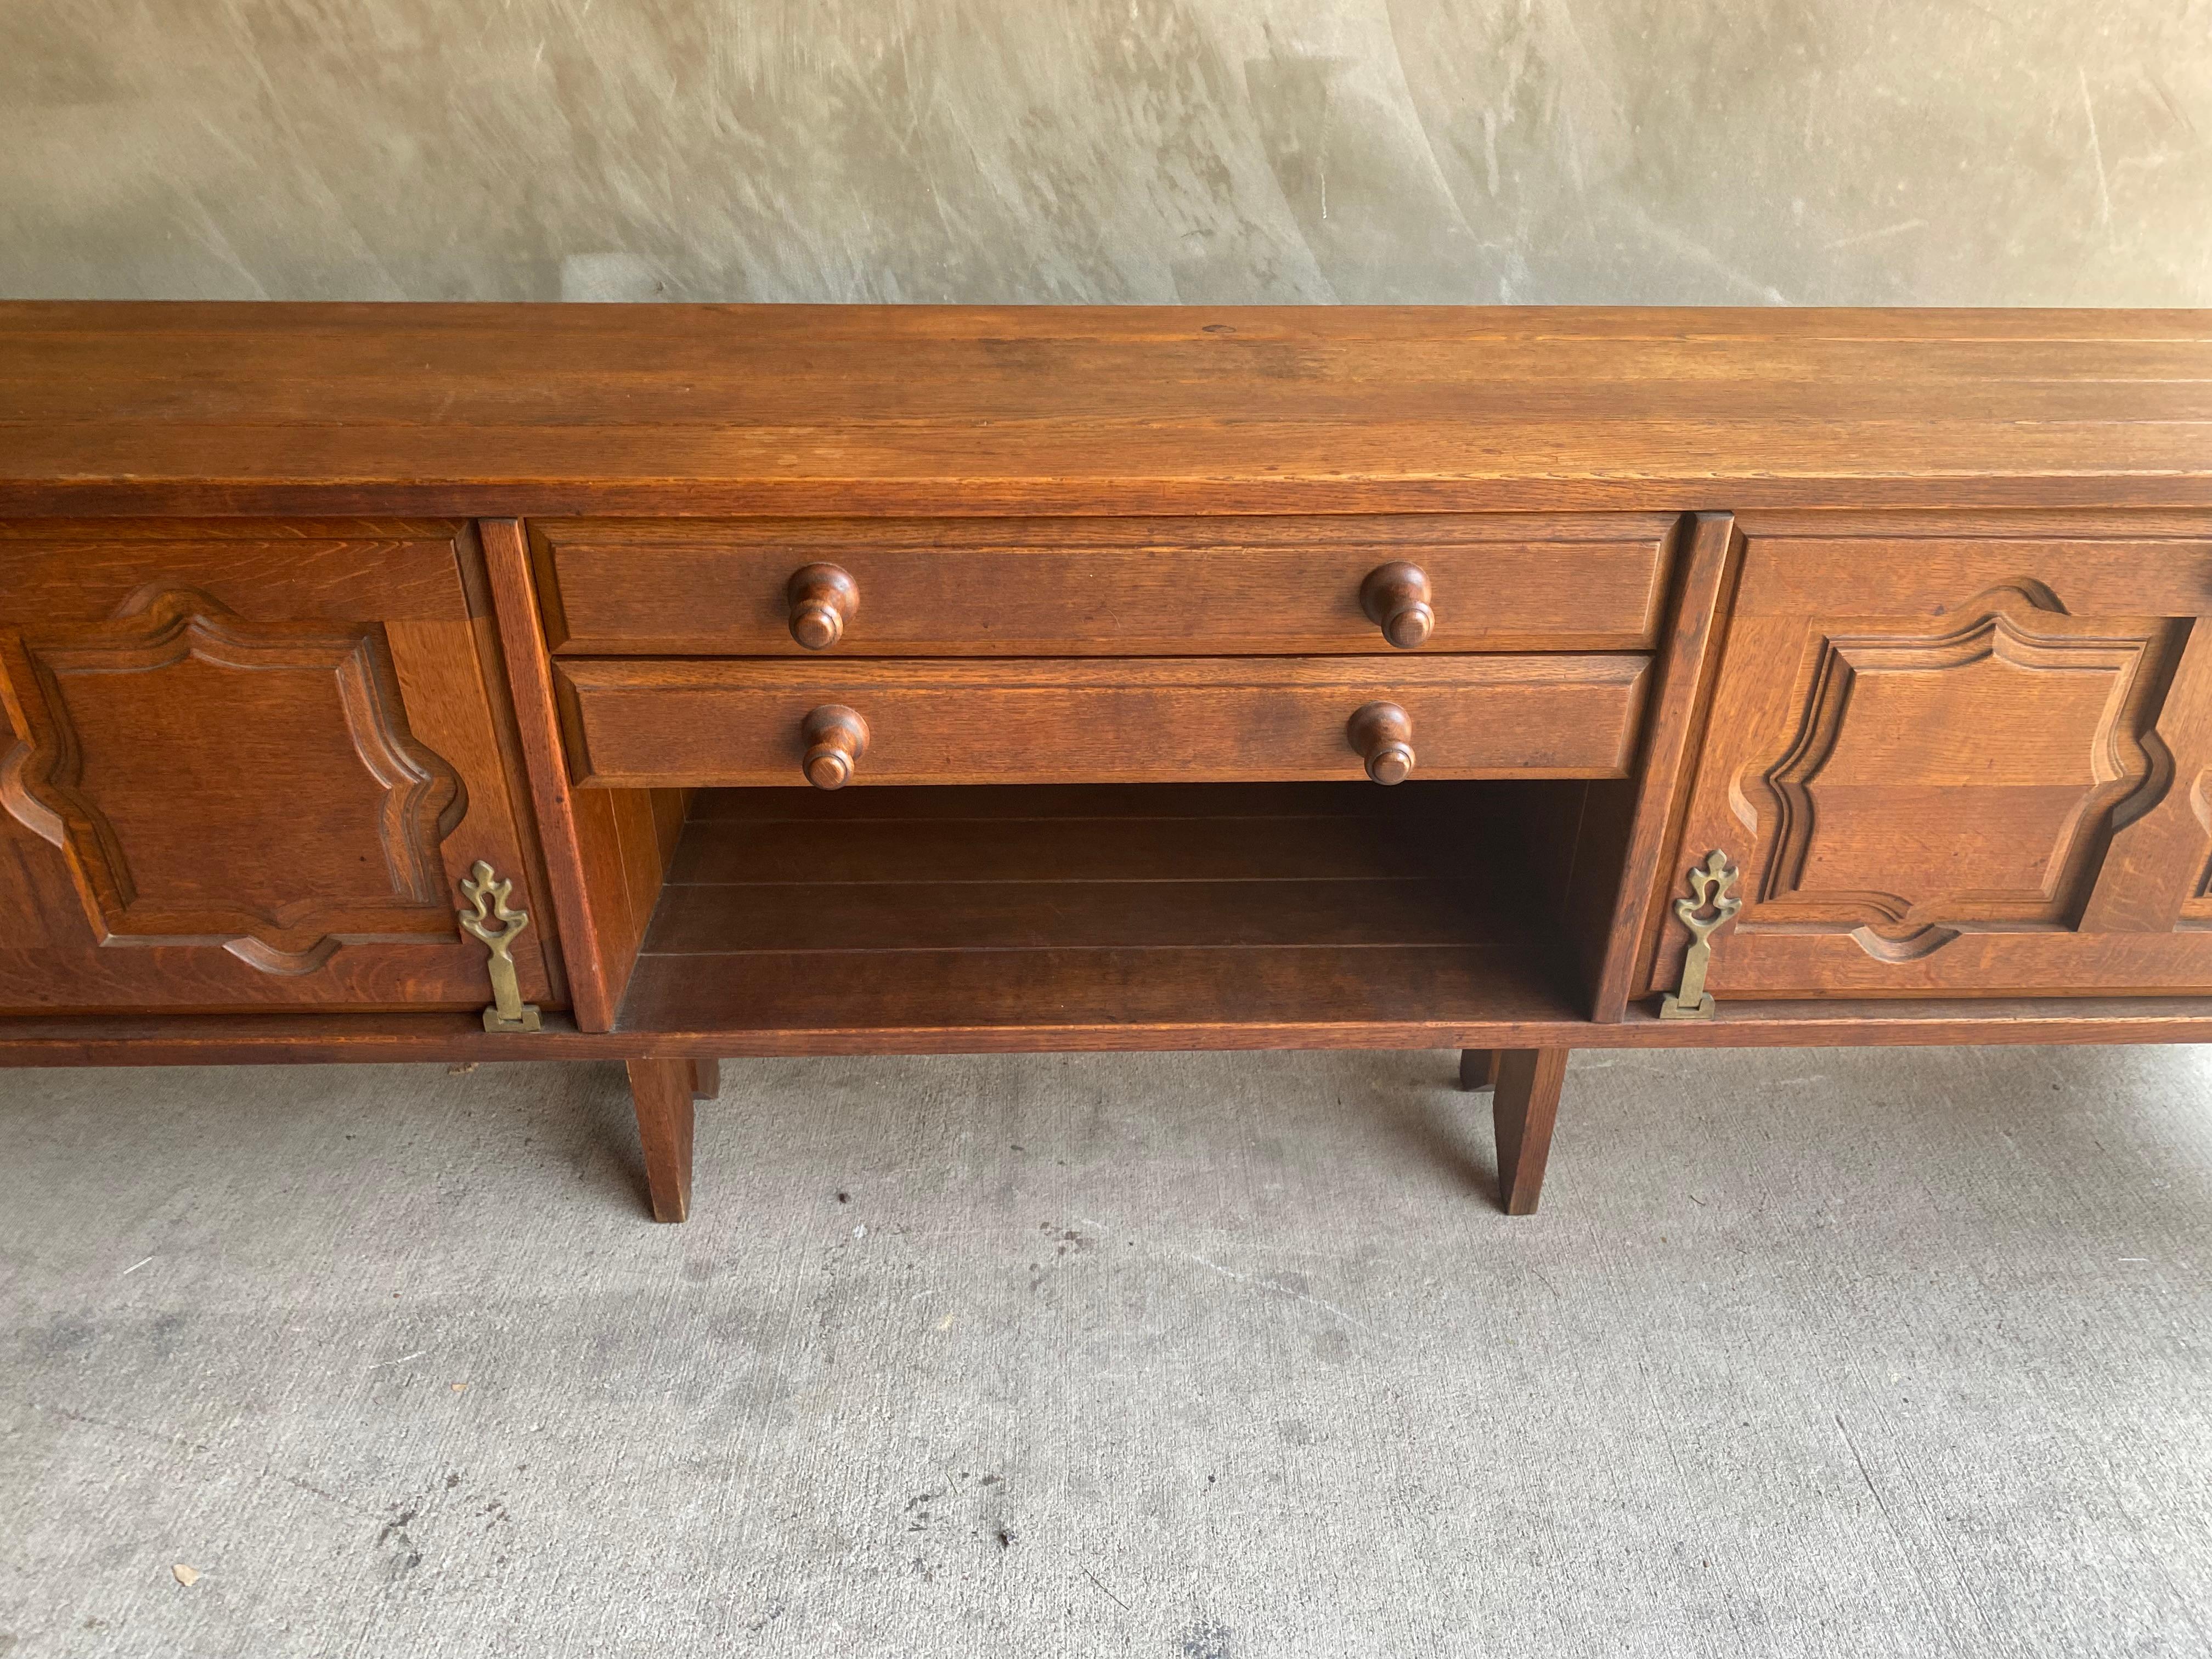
(1154, 915)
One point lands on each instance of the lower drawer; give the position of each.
(633, 722)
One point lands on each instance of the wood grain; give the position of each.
(1002, 840)
(2156, 865)
(1208, 909)
(261, 754)
(398, 1034)
(81, 571)
(1968, 793)
(662, 1091)
(513, 766)
(143, 734)
(1927, 577)
(592, 990)
(604, 851)
(1523, 1107)
(448, 679)
(1202, 587)
(1150, 996)
(1914, 604)
(998, 915)
(634, 723)
(797, 409)
(1277, 803)
(1621, 858)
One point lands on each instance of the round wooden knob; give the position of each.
(1395, 597)
(1382, 733)
(823, 598)
(837, 736)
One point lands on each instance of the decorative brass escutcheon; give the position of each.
(508, 1011)
(1702, 913)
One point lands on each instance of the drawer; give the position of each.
(633, 722)
(1213, 587)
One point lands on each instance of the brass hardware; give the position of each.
(508, 1011)
(1709, 891)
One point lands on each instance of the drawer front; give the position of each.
(1101, 587)
(636, 723)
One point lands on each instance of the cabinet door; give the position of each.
(1954, 764)
(247, 765)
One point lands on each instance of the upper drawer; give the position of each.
(1194, 587)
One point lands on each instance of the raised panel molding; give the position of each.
(216, 780)
(1965, 780)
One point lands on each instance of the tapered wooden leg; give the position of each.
(1478, 1068)
(663, 1090)
(1522, 1110)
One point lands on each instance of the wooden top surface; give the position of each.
(505, 409)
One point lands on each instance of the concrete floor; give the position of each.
(1206, 1357)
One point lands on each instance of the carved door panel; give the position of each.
(1955, 764)
(247, 766)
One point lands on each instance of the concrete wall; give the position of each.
(1980, 152)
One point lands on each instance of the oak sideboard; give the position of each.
(674, 684)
